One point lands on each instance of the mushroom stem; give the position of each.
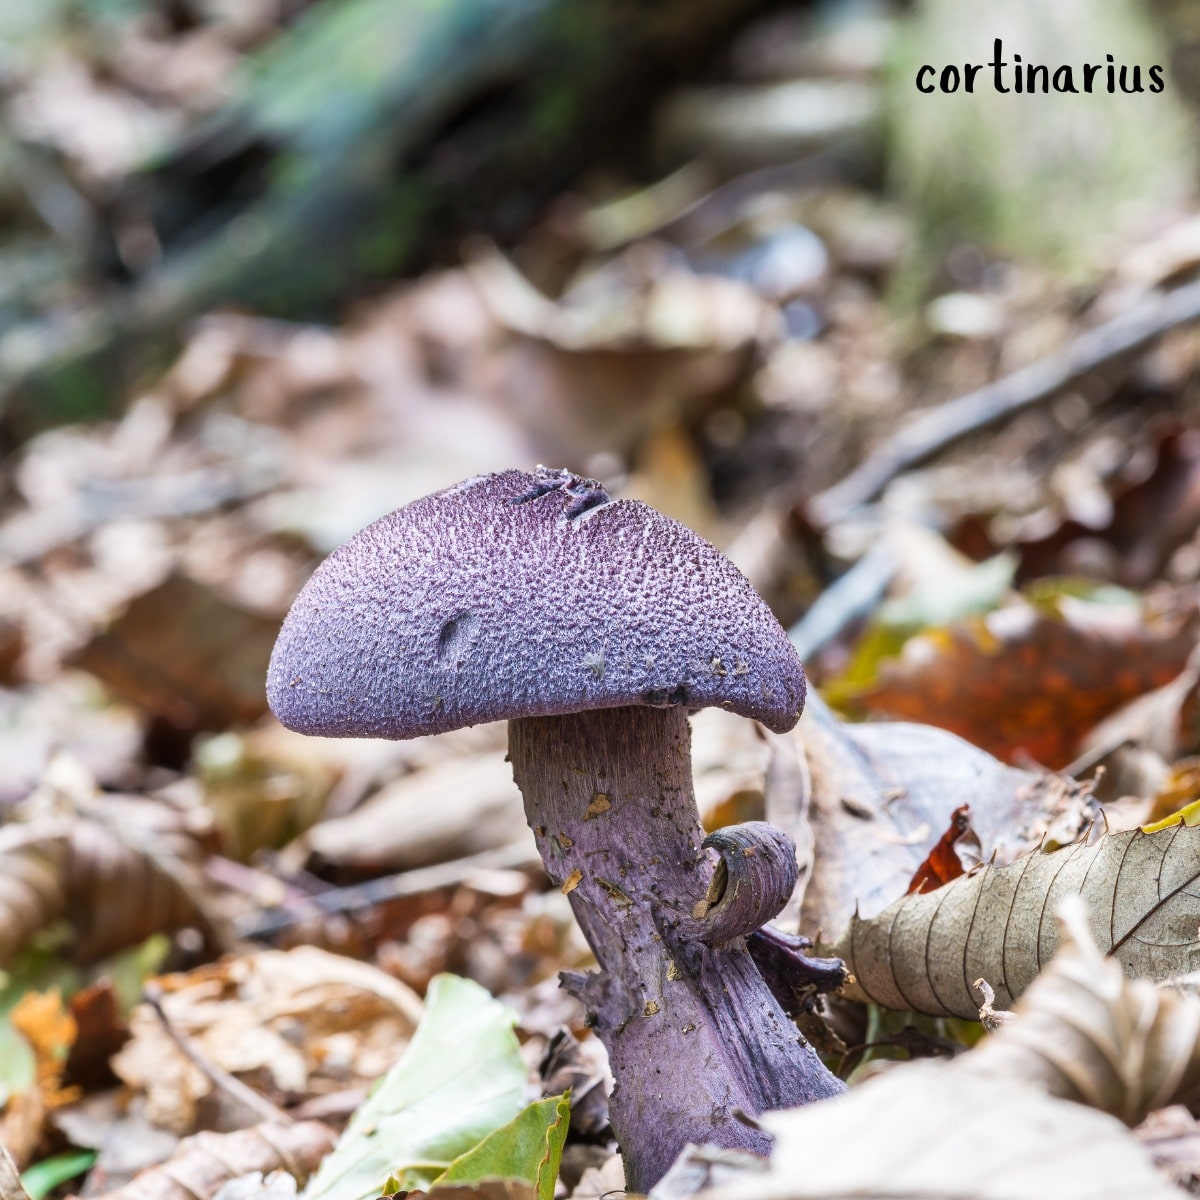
(697, 1043)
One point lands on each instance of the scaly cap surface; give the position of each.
(520, 594)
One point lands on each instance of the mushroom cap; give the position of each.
(516, 595)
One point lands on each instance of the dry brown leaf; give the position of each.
(115, 888)
(1032, 679)
(923, 952)
(115, 1126)
(633, 344)
(185, 655)
(1085, 1032)
(880, 796)
(1150, 510)
(203, 1163)
(932, 1131)
(994, 1124)
(291, 1024)
(1136, 744)
(463, 806)
(102, 1031)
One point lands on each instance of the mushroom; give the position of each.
(592, 626)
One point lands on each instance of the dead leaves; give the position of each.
(114, 889)
(48, 1030)
(1086, 1033)
(203, 1163)
(1142, 890)
(183, 653)
(878, 796)
(923, 1133)
(993, 1124)
(292, 1024)
(1031, 679)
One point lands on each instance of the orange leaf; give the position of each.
(1029, 680)
(944, 863)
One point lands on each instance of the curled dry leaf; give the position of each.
(932, 1131)
(1085, 1032)
(879, 797)
(291, 1024)
(945, 860)
(207, 1161)
(922, 952)
(115, 887)
(993, 1123)
(1032, 679)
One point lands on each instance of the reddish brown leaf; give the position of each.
(1028, 681)
(943, 863)
(102, 1032)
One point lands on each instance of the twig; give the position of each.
(852, 596)
(392, 887)
(219, 1078)
(949, 423)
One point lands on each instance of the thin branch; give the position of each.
(360, 896)
(221, 1079)
(941, 427)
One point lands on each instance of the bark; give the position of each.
(696, 1041)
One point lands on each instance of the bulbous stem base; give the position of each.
(697, 1043)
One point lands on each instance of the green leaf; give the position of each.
(460, 1080)
(43, 1177)
(528, 1148)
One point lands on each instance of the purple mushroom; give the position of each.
(592, 626)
